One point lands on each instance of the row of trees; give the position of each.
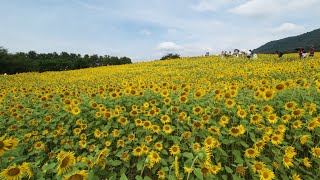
(12, 63)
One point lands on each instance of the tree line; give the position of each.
(12, 63)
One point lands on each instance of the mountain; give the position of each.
(289, 44)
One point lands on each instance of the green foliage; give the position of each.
(34, 62)
(170, 56)
(289, 44)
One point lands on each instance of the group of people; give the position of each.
(237, 53)
(301, 51)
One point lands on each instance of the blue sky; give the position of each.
(145, 30)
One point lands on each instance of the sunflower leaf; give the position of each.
(198, 173)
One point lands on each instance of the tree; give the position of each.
(170, 56)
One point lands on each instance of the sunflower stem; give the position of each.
(192, 166)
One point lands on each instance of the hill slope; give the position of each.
(290, 43)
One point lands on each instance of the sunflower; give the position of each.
(138, 122)
(211, 142)
(183, 99)
(39, 146)
(97, 133)
(251, 153)
(272, 118)
(188, 170)
(107, 143)
(304, 138)
(26, 168)
(161, 174)
(259, 145)
(214, 130)
(154, 157)
(4, 145)
(230, 103)
(257, 166)
(148, 139)
(315, 152)
(312, 125)
(197, 125)
(296, 124)
(266, 174)
(186, 135)
(82, 144)
(206, 168)
(306, 162)
(276, 139)
(198, 93)
(290, 105)
(76, 110)
(287, 161)
(12, 173)
(131, 137)
(241, 113)
(145, 149)
(158, 146)
(268, 94)
(155, 128)
(267, 109)
(256, 118)
(216, 168)
(123, 121)
(167, 100)
(297, 113)
(137, 151)
(296, 176)
(66, 161)
(224, 120)
(125, 156)
(79, 175)
(237, 131)
(197, 110)
(165, 119)
(174, 150)
(280, 86)
(286, 118)
(147, 125)
(167, 129)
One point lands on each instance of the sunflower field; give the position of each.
(192, 118)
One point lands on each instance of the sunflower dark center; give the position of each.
(13, 171)
(76, 177)
(65, 162)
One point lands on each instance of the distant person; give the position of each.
(304, 53)
(300, 52)
(249, 54)
(280, 54)
(312, 50)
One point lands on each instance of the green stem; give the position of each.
(192, 166)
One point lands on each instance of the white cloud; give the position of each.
(169, 46)
(258, 8)
(288, 28)
(210, 5)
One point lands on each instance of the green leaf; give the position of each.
(115, 163)
(49, 167)
(147, 178)
(244, 144)
(188, 155)
(229, 170)
(198, 173)
(139, 177)
(222, 152)
(235, 177)
(123, 177)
